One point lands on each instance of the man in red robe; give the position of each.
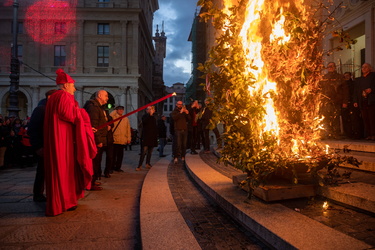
(68, 148)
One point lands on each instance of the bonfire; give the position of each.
(264, 73)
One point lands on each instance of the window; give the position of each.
(60, 55)
(60, 28)
(103, 28)
(19, 28)
(20, 52)
(103, 56)
(103, 3)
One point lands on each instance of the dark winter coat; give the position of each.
(35, 126)
(149, 131)
(180, 120)
(162, 129)
(97, 118)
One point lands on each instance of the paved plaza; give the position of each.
(175, 206)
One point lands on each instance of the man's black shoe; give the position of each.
(39, 198)
(162, 155)
(119, 170)
(72, 208)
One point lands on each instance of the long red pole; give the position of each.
(135, 111)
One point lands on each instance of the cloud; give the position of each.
(178, 16)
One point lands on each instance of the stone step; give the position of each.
(358, 195)
(361, 146)
(363, 151)
(357, 192)
(280, 227)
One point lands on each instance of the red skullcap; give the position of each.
(63, 77)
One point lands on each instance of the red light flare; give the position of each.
(49, 21)
(8, 3)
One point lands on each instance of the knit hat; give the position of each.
(63, 77)
(119, 108)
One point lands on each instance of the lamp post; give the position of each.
(14, 67)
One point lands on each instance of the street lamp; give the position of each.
(14, 67)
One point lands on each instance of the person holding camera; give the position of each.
(180, 116)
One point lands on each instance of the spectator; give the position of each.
(27, 154)
(162, 134)
(13, 147)
(194, 110)
(364, 98)
(335, 96)
(16, 125)
(205, 118)
(121, 136)
(180, 116)
(35, 132)
(3, 134)
(351, 116)
(98, 117)
(149, 138)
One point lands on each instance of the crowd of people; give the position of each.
(15, 147)
(348, 105)
(190, 127)
(67, 142)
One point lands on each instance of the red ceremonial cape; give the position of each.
(64, 178)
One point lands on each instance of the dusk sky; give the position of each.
(178, 17)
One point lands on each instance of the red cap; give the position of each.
(63, 77)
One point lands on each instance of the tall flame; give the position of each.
(252, 46)
(263, 30)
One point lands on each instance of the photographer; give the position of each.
(180, 116)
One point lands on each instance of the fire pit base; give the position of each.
(278, 189)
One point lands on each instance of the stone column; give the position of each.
(124, 46)
(132, 104)
(122, 98)
(36, 96)
(79, 96)
(135, 47)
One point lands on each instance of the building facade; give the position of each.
(102, 44)
(199, 48)
(358, 19)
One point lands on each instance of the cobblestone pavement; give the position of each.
(107, 219)
(348, 221)
(211, 226)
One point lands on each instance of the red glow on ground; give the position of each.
(49, 21)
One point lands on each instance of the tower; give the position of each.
(160, 52)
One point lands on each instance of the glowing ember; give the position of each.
(49, 21)
(325, 205)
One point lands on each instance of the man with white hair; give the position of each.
(98, 116)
